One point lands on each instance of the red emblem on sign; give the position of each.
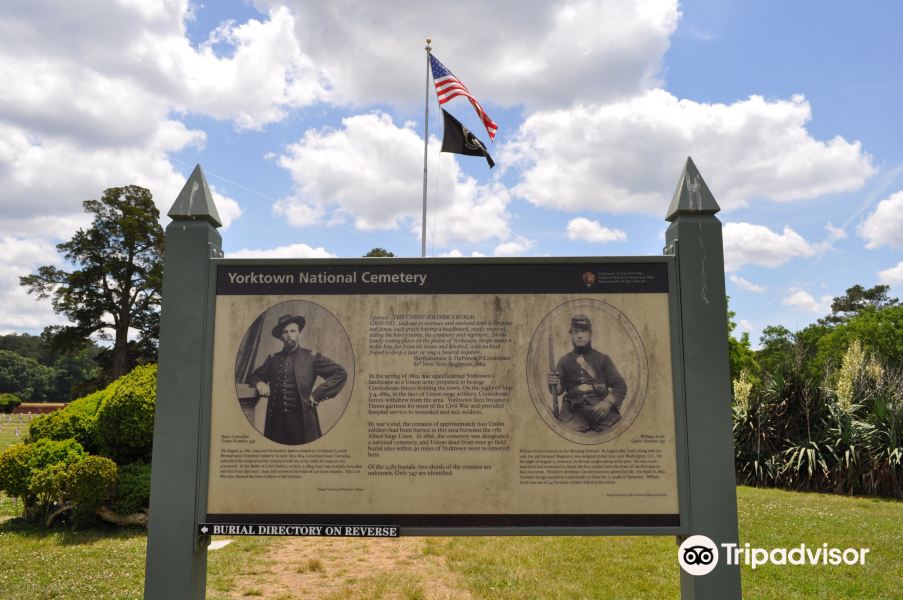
(589, 278)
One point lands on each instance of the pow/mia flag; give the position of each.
(460, 140)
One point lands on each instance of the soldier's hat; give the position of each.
(580, 322)
(285, 320)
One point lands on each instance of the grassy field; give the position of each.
(646, 567)
(110, 564)
(8, 429)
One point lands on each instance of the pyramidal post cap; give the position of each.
(195, 202)
(692, 196)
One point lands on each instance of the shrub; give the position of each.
(89, 483)
(125, 421)
(45, 491)
(78, 420)
(8, 402)
(47, 452)
(133, 490)
(48, 462)
(63, 425)
(14, 470)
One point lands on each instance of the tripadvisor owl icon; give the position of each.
(697, 555)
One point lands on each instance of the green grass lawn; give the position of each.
(8, 430)
(96, 565)
(110, 563)
(646, 567)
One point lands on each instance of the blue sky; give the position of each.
(307, 118)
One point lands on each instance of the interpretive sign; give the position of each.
(444, 394)
(387, 397)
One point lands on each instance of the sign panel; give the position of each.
(439, 394)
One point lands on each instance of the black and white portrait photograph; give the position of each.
(587, 371)
(294, 372)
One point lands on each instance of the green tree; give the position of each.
(75, 369)
(856, 299)
(742, 356)
(776, 347)
(25, 377)
(76, 373)
(379, 253)
(116, 283)
(25, 345)
(880, 330)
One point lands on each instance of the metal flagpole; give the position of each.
(426, 140)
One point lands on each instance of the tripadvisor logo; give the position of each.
(698, 555)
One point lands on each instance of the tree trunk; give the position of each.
(120, 353)
(138, 518)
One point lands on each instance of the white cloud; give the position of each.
(298, 53)
(884, 227)
(626, 156)
(370, 172)
(744, 284)
(21, 311)
(893, 275)
(53, 175)
(804, 301)
(77, 85)
(455, 253)
(266, 73)
(290, 251)
(744, 326)
(228, 208)
(835, 233)
(592, 231)
(745, 243)
(515, 247)
(569, 50)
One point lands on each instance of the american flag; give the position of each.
(448, 86)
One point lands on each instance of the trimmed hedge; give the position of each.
(58, 475)
(133, 491)
(125, 421)
(37, 473)
(14, 470)
(8, 402)
(89, 483)
(78, 421)
(43, 453)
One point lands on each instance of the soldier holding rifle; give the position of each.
(592, 387)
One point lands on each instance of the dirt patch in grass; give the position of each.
(350, 568)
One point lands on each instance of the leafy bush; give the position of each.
(125, 421)
(14, 470)
(8, 402)
(55, 472)
(43, 453)
(89, 483)
(48, 463)
(77, 420)
(45, 491)
(841, 432)
(133, 490)
(63, 425)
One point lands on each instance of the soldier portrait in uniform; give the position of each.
(587, 371)
(588, 382)
(285, 375)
